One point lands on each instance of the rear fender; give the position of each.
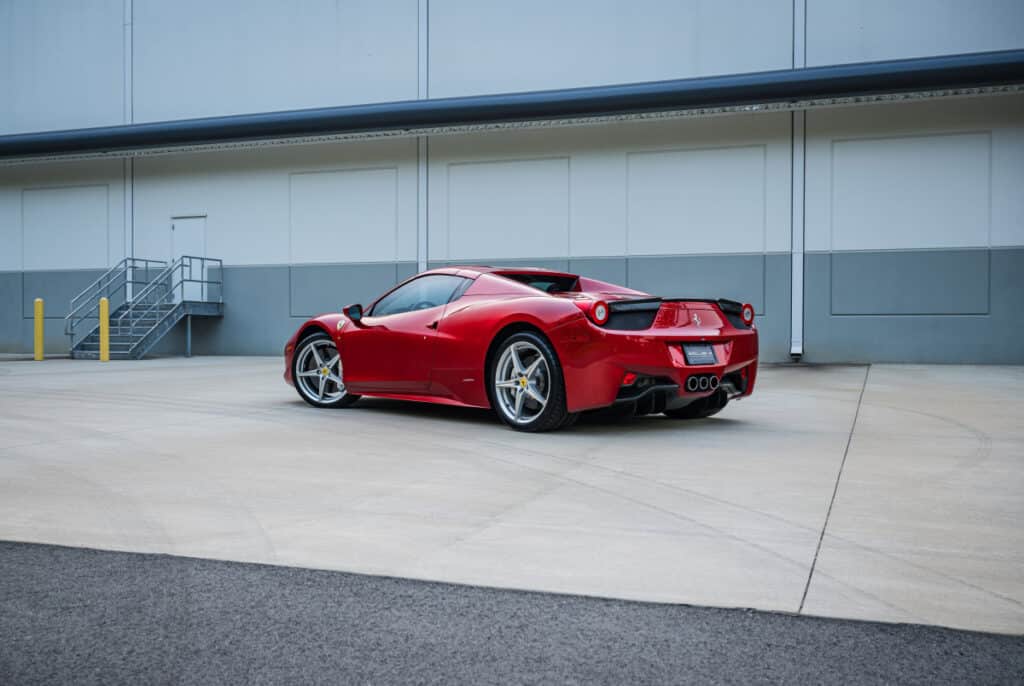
(470, 329)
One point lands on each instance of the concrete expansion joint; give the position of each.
(835, 489)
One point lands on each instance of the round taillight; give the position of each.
(599, 312)
(747, 314)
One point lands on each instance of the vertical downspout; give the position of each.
(798, 140)
(422, 142)
(128, 164)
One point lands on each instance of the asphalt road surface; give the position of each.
(82, 616)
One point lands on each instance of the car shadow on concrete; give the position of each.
(595, 422)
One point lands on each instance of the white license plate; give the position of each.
(699, 353)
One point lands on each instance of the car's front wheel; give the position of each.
(527, 388)
(317, 373)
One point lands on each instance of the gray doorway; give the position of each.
(188, 238)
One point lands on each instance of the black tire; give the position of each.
(329, 396)
(570, 419)
(552, 414)
(702, 407)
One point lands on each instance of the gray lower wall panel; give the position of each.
(57, 288)
(263, 305)
(993, 338)
(910, 282)
(260, 302)
(18, 291)
(329, 287)
(737, 277)
(762, 280)
(405, 270)
(559, 265)
(10, 312)
(257, 320)
(775, 324)
(54, 340)
(610, 269)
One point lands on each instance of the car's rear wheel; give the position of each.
(570, 419)
(317, 373)
(526, 383)
(702, 407)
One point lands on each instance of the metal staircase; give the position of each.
(147, 299)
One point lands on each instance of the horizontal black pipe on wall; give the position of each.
(736, 90)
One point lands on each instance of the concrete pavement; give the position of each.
(216, 457)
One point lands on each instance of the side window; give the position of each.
(422, 293)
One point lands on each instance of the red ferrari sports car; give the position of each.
(537, 346)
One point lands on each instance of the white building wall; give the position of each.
(840, 31)
(70, 64)
(195, 58)
(67, 216)
(916, 176)
(915, 232)
(339, 203)
(61, 226)
(701, 186)
(61, 64)
(492, 46)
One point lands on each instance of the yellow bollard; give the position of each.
(37, 346)
(104, 330)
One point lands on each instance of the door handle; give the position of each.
(432, 325)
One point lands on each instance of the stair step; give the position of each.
(140, 322)
(114, 338)
(126, 331)
(135, 329)
(95, 348)
(137, 325)
(94, 355)
(118, 340)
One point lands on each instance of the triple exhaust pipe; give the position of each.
(702, 382)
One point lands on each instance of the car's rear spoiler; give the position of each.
(727, 306)
(732, 310)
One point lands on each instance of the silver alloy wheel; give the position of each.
(318, 372)
(522, 382)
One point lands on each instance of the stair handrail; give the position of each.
(150, 287)
(103, 286)
(123, 265)
(94, 290)
(204, 267)
(178, 265)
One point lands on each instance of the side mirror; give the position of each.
(353, 312)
